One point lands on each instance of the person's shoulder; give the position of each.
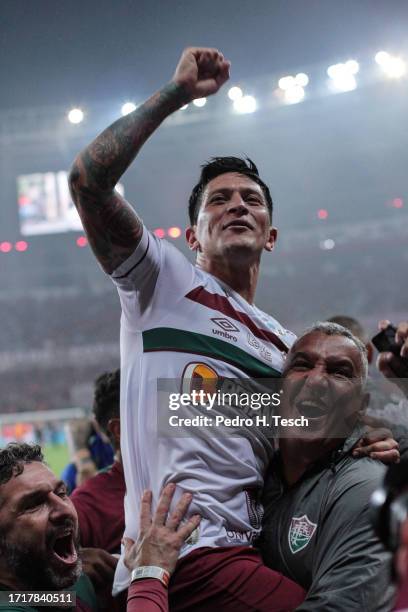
(357, 478)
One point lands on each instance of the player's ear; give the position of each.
(273, 235)
(191, 238)
(114, 429)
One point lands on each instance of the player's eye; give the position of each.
(300, 365)
(343, 372)
(218, 199)
(253, 200)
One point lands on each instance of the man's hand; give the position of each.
(388, 363)
(99, 566)
(160, 538)
(378, 444)
(201, 72)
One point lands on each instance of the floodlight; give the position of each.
(128, 107)
(342, 76)
(246, 104)
(174, 232)
(327, 244)
(75, 115)
(294, 94)
(382, 58)
(352, 66)
(286, 82)
(200, 102)
(302, 79)
(235, 93)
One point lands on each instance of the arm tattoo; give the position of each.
(112, 226)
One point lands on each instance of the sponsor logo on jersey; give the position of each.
(225, 324)
(301, 531)
(228, 329)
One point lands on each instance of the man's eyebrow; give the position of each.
(341, 361)
(228, 190)
(301, 354)
(27, 498)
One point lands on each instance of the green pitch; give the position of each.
(57, 457)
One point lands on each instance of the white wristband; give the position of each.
(151, 571)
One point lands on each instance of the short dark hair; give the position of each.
(14, 456)
(107, 398)
(222, 165)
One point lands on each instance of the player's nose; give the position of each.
(237, 203)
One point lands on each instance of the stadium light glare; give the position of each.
(397, 203)
(246, 104)
(75, 115)
(287, 82)
(322, 213)
(352, 66)
(234, 93)
(81, 241)
(393, 67)
(200, 102)
(5, 247)
(342, 76)
(174, 232)
(159, 232)
(21, 246)
(382, 57)
(327, 245)
(128, 107)
(302, 79)
(294, 94)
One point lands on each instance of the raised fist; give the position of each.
(201, 72)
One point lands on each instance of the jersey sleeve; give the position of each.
(147, 595)
(351, 566)
(152, 280)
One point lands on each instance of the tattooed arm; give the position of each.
(112, 226)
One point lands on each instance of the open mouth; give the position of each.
(311, 409)
(64, 549)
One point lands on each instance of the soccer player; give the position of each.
(188, 323)
(169, 307)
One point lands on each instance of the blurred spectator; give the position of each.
(99, 501)
(39, 543)
(90, 449)
(385, 403)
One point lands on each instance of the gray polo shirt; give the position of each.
(318, 533)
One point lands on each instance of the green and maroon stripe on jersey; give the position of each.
(181, 341)
(222, 304)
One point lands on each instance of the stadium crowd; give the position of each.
(266, 518)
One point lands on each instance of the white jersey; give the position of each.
(179, 323)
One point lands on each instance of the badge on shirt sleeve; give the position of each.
(301, 531)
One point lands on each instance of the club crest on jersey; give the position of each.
(197, 376)
(301, 531)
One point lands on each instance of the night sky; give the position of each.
(74, 51)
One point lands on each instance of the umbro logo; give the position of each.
(225, 324)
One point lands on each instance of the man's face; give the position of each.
(233, 220)
(38, 530)
(322, 382)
